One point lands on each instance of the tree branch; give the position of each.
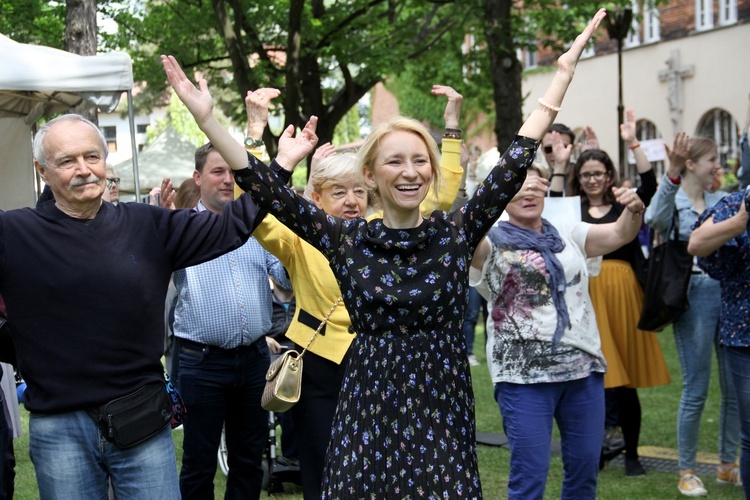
(339, 28)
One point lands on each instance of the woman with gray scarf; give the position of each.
(543, 347)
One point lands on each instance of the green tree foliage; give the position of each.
(324, 55)
(349, 128)
(180, 119)
(481, 62)
(458, 59)
(33, 21)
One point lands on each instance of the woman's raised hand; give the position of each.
(537, 124)
(533, 187)
(256, 107)
(628, 129)
(560, 152)
(567, 62)
(452, 112)
(629, 199)
(323, 152)
(590, 140)
(678, 155)
(292, 149)
(198, 101)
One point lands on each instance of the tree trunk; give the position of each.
(80, 35)
(506, 71)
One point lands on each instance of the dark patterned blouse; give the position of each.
(404, 424)
(730, 264)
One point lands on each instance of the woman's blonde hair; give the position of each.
(701, 146)
(333, 170)
(540, 169)
(368, 153)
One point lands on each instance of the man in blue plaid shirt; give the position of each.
(222, 315)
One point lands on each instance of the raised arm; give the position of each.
(590, 140)
(200, 104)
(443, 194)
(606, 238)
(710, 236)
(537, 124)
(256, 108)
(629, 137)
(661, 209)
(561, 157)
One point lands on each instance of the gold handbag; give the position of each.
(284, 376)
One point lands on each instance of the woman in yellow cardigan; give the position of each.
(335, 185)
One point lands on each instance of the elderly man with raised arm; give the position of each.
(83, 342)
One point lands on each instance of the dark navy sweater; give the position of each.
(85, 298)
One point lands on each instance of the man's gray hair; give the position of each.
(40, 154)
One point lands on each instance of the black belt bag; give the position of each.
(132, 419)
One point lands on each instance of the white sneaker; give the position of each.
(691, 485)
(473, 361)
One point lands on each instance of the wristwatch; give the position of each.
(253, 143)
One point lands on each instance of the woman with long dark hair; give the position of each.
(634, 357)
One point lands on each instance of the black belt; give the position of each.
(208, 347)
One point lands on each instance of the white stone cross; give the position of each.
(674, 77)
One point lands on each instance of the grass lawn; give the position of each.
(659, 409)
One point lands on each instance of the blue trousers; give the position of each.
(476, 303)
(223, 387)
(528, 411)
(73, 460)
(696, 335)
(738, 359)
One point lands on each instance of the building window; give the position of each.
(633, 38)
(704, 16)
(646, 131)
(141, 129)
(529, 59)
(110, 135)
(727, 12)
(720, 126)
(651, 25)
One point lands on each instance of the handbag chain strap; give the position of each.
(322, 324)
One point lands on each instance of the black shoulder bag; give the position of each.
(665, 293)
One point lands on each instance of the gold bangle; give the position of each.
(549, 106)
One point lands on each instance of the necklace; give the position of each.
(599, 204)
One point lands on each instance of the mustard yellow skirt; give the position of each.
(634, 357)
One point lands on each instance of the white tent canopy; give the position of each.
(37, 81)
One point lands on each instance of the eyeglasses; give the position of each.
(597, 176)
(547, 150)
(112, 180)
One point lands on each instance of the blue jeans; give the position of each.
(738, 359)
(696, 337)
(528, 411)
(223, 388)
(475, 304)
(73, 460)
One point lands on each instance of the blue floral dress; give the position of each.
(404, 426)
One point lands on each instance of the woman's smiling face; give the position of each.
(402, 172)
(594, 178)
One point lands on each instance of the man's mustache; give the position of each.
(78, 181)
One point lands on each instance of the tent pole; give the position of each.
(131, 120)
